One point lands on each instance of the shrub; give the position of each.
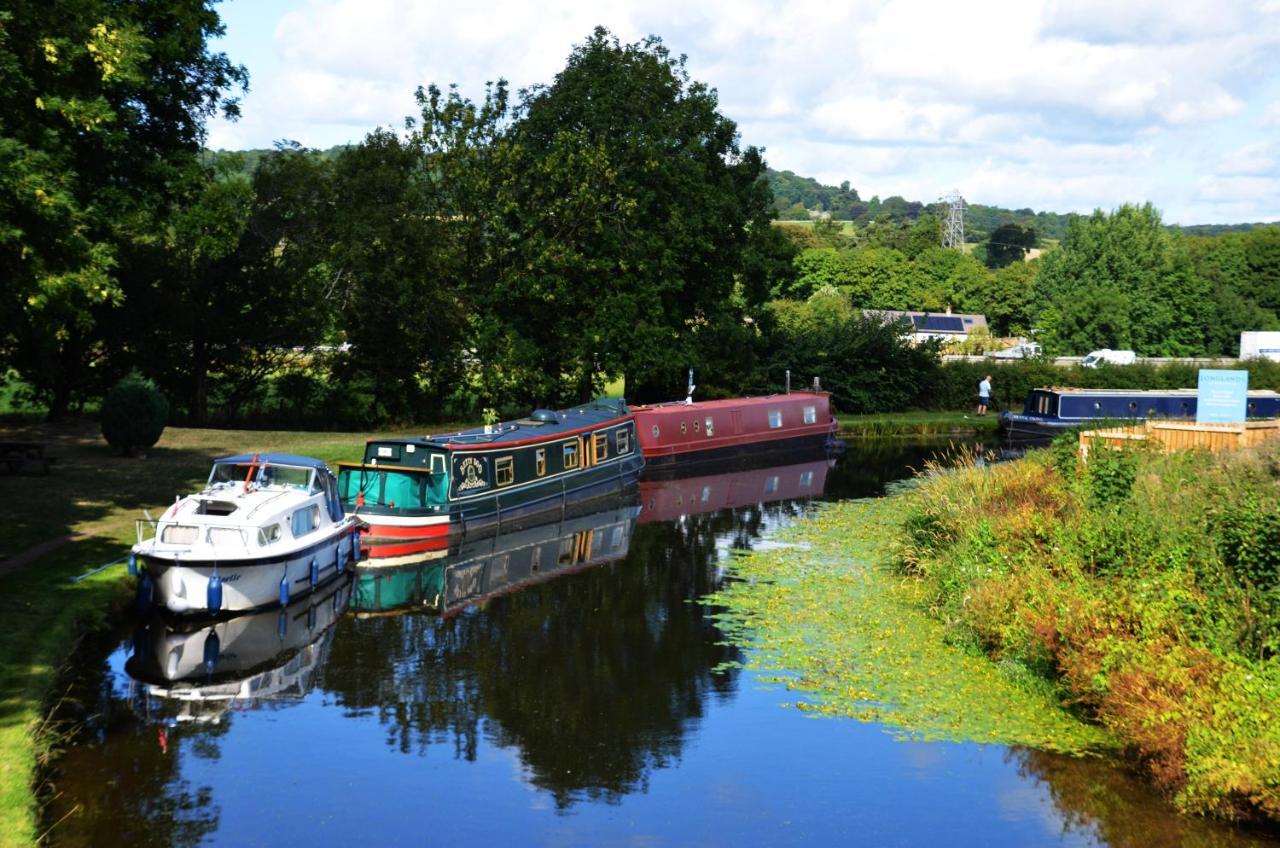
(133, 414)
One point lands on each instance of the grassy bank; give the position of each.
(917, 423)
(1145, 588)
(90, 500)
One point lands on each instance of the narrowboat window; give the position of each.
(706, 494)
(655, 431)
(567, 545)
(1133, 406)
(536, 562)
(684, 428)
(806, 479)
(571, 455)
(1186, 408)
(600, 446)
(180, 534)
(811, 415)
(695, 426)
(437, 463)
(775, 419)
(711, 426)
(624, 441)
(267, 535)
(771, 485)
(1096, 406)
(615, 541)
(540, 460)
(1253, 409)
(504, 471)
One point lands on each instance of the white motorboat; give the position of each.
(267, 528)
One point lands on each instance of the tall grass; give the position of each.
(1145, 586)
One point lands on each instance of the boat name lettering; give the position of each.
(472, 473)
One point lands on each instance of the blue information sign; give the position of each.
(1222, 397)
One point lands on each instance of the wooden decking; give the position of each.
(1170, 436)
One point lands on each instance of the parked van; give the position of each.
(1111, 357)
(1023, 350)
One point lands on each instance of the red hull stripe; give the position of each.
(406, 548)
(400, 531)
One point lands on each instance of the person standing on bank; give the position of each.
(984, 394)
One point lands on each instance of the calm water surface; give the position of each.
(555, 686)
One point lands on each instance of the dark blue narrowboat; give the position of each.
(1048, 412)
(414, 493)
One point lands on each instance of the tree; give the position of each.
(103, 107)
(681, 198)
(1120, 280)
(1009, 244)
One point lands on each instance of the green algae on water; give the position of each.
(825, 617)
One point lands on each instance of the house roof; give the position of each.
(931, 322)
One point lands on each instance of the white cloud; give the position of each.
(1058, 104)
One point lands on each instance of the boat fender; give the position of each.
(133, 565)
(315, 572)
(214, 593)
(282, 625)
(146, 589)
(355, 546)
(284, 589)
(338, 564)
(312, 615)
(212, 650)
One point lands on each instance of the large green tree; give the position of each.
(102, 107)
(1121, 280)
(1008, 244)
(679, 201)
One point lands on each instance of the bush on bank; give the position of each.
(1146, 587)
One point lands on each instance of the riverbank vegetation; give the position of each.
(1145, 587)
(1131, 607)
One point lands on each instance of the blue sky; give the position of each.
(1060, 106)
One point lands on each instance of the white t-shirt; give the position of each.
(984, 389)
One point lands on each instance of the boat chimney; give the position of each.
(689, 398)
(788, 381)
(817, 386)
(948, 309)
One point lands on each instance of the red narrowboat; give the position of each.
(673, 432)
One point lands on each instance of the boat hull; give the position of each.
(710, 430)
(403, 534)
(182, 587)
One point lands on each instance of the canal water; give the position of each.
(558, 686)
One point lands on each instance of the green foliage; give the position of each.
(1008, 244)
(1144, 586)
(133, 414)
(867, 365)
(1110, 475)
(103, 108)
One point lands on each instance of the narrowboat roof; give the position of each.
(271, 459)
(680, 407)
(1063, 390)
(540, 424)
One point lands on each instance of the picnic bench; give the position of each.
(16, 457)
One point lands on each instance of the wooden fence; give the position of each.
(1169, 436)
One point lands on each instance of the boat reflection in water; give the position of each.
(584, 535)
(185, 674)
(680, 491)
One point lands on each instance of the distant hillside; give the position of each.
(795, 197)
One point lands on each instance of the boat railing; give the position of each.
(141, 526)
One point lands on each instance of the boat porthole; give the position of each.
(684, 428)
(1097, 406)
(655, 430)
